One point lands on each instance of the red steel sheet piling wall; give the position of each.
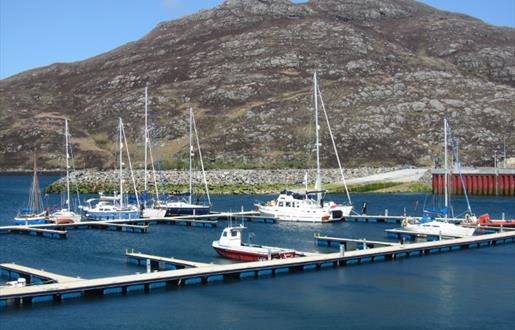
(495, 183)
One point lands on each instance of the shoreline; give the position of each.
(238, 181)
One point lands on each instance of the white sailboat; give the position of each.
(429, 225)
(115, 207)
(149, 209)
(66, 215)
(309, 206)
(185, 206)
(33, 214)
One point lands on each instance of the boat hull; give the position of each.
(112, 215)
(308, 215)
(151, 213)
(64, 216)
(186, 210)
(247, 254)
(20, 221)
(440, 228)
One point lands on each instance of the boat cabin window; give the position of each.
(234, 233)
(224, 234)
(288, 204)
(281, 203)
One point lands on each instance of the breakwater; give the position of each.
(219, 181)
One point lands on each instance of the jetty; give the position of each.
(360, 243)
(32, 275)
(159, 263)
(34, 231)
(56, 292)
(140, 225)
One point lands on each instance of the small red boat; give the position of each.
(230, 246)
(485, 220)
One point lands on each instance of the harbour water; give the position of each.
(469, 289)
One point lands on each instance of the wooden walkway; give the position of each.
(200, 275)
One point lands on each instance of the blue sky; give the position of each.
(35, 33)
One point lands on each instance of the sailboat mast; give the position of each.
(120, 161)
(67, 164)
(34, 198)
(446, 167)
(318, 184)
(191, 156)
(146, 142)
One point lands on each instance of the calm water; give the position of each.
(465, 290)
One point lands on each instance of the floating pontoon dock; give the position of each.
(32, 275)
(200, 275)
(158, 263)
(34, 231)
(328, 241)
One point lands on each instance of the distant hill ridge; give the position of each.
(389, 71)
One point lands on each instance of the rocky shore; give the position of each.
(219, 181)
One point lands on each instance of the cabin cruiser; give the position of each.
(230, 246)
(303, 207)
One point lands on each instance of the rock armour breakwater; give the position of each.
(222, 181)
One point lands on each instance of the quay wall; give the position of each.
(478, 181)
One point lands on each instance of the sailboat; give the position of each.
(149, 210)
(66, 215)
(309, 206)
(33, 214)
(429, 224)
(185, 206)
(116, 206)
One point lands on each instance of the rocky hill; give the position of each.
(389, 70)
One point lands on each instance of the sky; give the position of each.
(35, 33)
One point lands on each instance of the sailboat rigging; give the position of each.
(115, 207)
(66, 215)
(175, 206)
(33, 213)
(429, 224)
(309, 206)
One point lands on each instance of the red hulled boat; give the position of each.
(230, 246)
(485, 220)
